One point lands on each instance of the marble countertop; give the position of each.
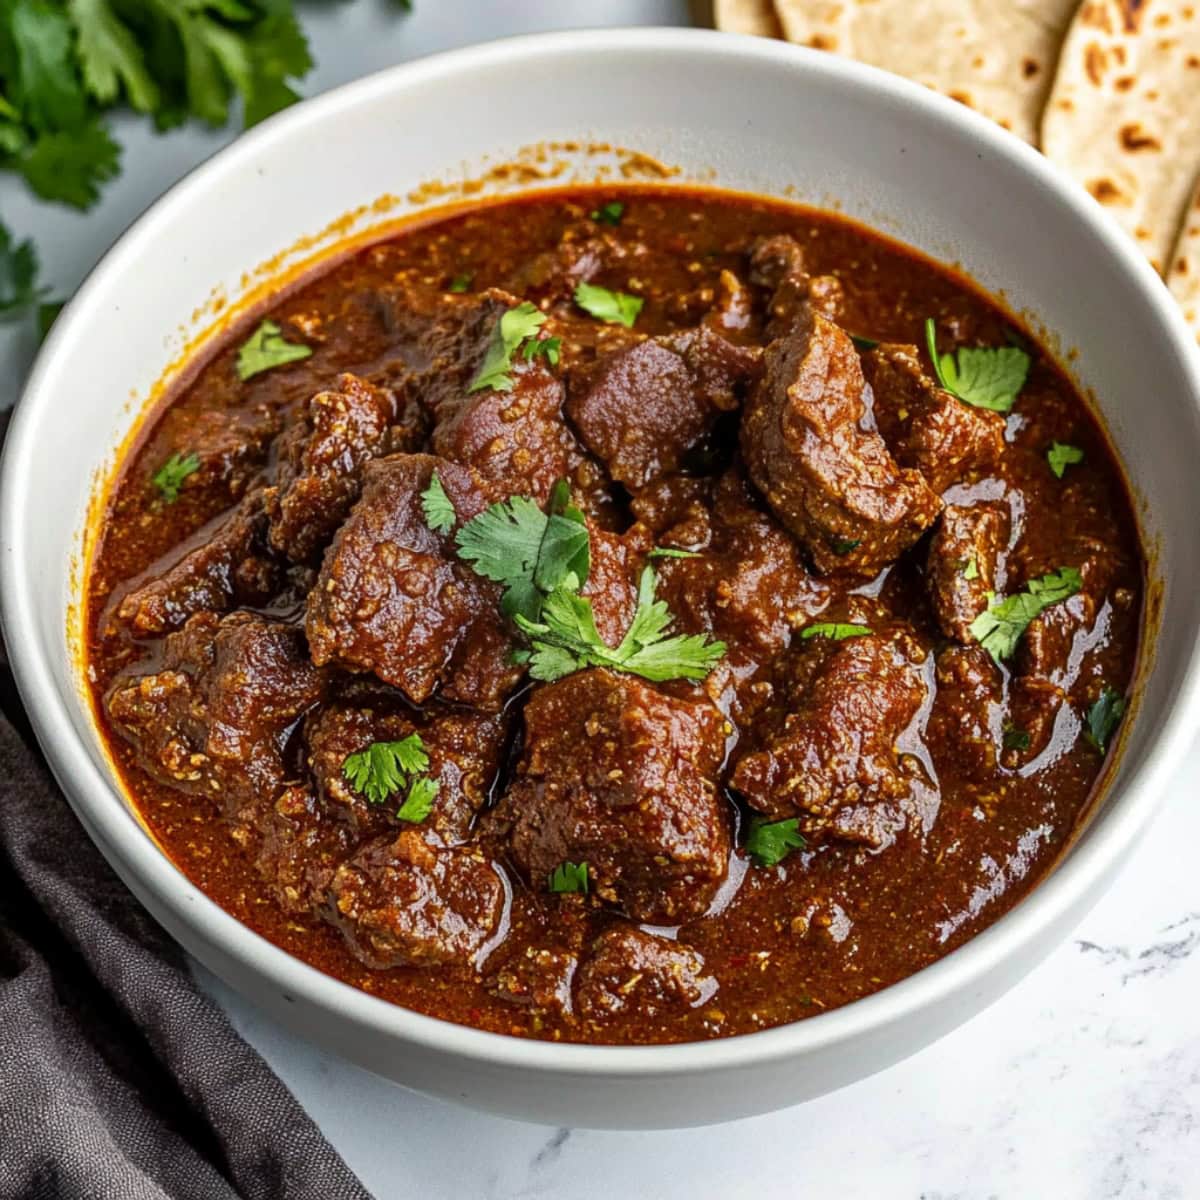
(1083, 1083)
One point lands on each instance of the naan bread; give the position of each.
(995, 55)
(747, 16)
(1123, 116)
(1184, 275)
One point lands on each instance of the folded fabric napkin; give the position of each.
(119, 1080)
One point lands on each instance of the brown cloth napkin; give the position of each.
(119, 1080)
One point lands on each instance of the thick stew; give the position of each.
(618, 615)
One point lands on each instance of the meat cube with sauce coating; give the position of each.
(831, 481)
(964, 554)
(623, 777)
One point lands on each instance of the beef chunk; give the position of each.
(518, 441)
(829, 480)
(298, 847)
(925, 427)
(214, 717)
(583, 254)
(963, 559)
(226, 562)
(777, 262)
(393, 598)
(747, 586)
(406, 900)
(643, 409)
(230, 445)
(321, 460)
(464, 751)
(965, 723)
(622, 777)
(828, 752)
(634, 973)
(538, 978)
(612, 585)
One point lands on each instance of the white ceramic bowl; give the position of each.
(750, 114)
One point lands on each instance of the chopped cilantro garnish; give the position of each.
(170, 476)
(999, 627)
(418, 804)
(1016, 739)
(614, 308)
(265, 349)
(438, 509)
(565, 639)
(385, 768)
(1104, 716)
(1060, 456)
(671, 552)
(971, 570)
(569, 877)
(460, 284)
(988, 378)
(548, 348)
(609, 214)
(769, 842)
(834, 630)
(863, 343)
(511, 330)
(843, 546)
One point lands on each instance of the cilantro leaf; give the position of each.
(609, 214)
(265, 349)
(170, 476)
(1104, 716)
(548, 348)
(70, 165)
(672, 552)
(110, 57)
(971, 570)
(769, 842)
(460, 284)
(437, 506)
(422, 792)
(19, 288)
(43, 83)
(834, 630)
(565, 639)
(1061, 455)
(614, 308)
(863, 343)
(47, 314)
(511, 330)
(843, 546)
(988, 378)
(999, 627)
(569, 877)
(503, 541)
(383, 768)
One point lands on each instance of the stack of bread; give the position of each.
(1109, 90)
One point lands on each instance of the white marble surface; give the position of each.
(1082, 1084)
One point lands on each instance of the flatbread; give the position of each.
(747, 16)
(997, 56)
(1184, 275)
(1123, 116)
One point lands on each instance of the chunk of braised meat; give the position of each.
(224, 563)
(829, 480)
(407, 900)
(618, 775)
(321, 459)
(612, 584)
(297, 848)
(644, 409)
(230, 445)
(392, 597)
(538, 978)
(965, 728)
(464, 750)
(583, 254)
(924, 426)
(964, 555)
(747, 585)
(828, 751)
(676, 502)
(517, 440)
(214, 718)
(777, 263)
(633, 973)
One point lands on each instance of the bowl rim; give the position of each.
(98, 801)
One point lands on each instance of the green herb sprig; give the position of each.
(170, 476)
(989, 377)
(613, 308)
(769, 842)
(1000, 626)
(267, 348)
(385, 768)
